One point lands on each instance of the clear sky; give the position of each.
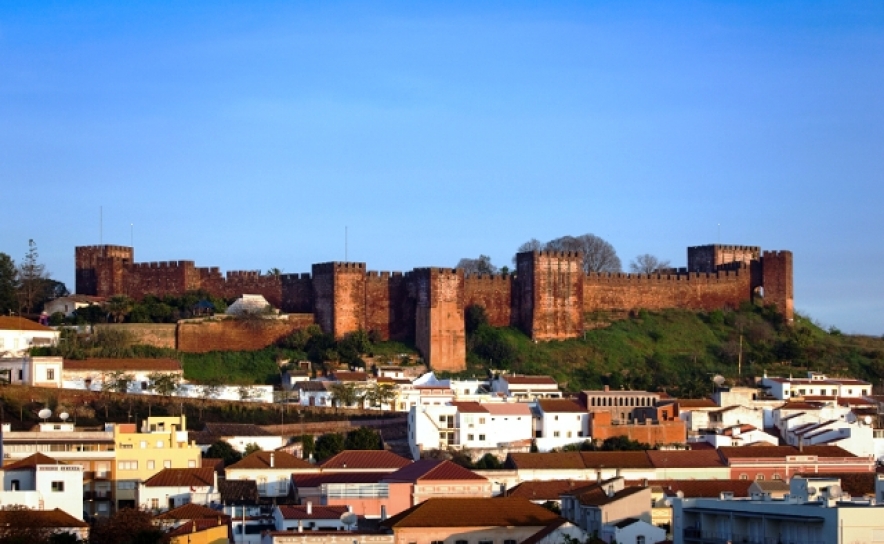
(250, 135)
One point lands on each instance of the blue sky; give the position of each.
(249, 135)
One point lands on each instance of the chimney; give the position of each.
(383, 512)
(309, 508)
(271, 459)
(349, 509)
(300, 526)
(607, 389)
(503, 490)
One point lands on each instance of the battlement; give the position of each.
(489, 277)
(243, 274)
(209, 270)
(558, 254)
(295, 277)
(682, 275)
(780, 253)
(727, 247)
(104, 247)
(162, 265)
(338, 266)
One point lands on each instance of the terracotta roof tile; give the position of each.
(507, 408)
(180, 477)
(618, 459)
(529, 380)
(698, 488)
(738, 452)
(470, 512)
(855, 483)
(107, 365)
(469, 407)
(198, 525)
(281, 460)
(433, 469)
(560, 405)
(31, 462)
(238, 491)
(545, 490)
(16, 323)
(685, 458)
(344, 376)
(366, 459)
(44, 518)
(290, 511)
(313, 385)
(557, 460)
(597, 494)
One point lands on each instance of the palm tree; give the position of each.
(346, 394)
(118, 307)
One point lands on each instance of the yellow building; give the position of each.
(162, 443)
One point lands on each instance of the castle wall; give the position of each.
(339, 294)
(252, 282)
(160, 278)
(205, 335)
(704, 291)
(297, 293)
(98, 270)
(776, 280)
(387, 310)
(551, 294)
(439, 317)
(710, 258)
(494, 293)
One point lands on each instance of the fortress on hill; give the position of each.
(549, 296)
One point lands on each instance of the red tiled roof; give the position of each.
(350, 376)
(507, 408)
(801, 406)
(108, 365)
(685, 458)
(560, 405)
(433, 469)
(31, 462)
(291, 511)
(597, 494)
(699, 488)
(16, 323)
(556, 460)
(469, 407)
(281, 460)
(366, 459)
(44, 518)
(738, 452)
(855, 483)
(198, 525)
(182, 477)
(545, 490)
(349, 477)
(473, 512)
(618, 459)
(190, 511)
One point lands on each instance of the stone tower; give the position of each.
(550, 293)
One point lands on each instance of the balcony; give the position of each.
(694, 535)
(97, 495)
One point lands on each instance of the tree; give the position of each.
(328, 445)
(531, 245)
(8, 285)
(647, 264)
(32, 280)
(118, 306)
(126, 526)
(224, 451)
(308, 445)
(345, 394)
(251, 448)
(380, 394)
(117, 382)
(164, 384)
(474, 317)
(363, 438)
(489, 462)
(598, 254)
(482, 265)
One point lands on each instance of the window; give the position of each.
(124, 485)
(759, 476)
(557, 418)
(481, 422)
(160, 443)
(555, 434)
(460, 542)
(481, 437)
(437, 542)
(470, 437)
(167, 463)
(144, 386)
(127, 465)
(744, 476)
(15, 485)
(640, 539)
(143, 444)
(777, 477)
(154, 504)
(191, 464)
(509, 541)
(151, 465)
(50, 373)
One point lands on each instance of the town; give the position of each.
(405, 451)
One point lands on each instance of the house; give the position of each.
(32, 371)
(687, 464)
(161, 444)
(94, 451)
(307, 517)
(240, 435)
(364, 461)
(662, 429)
(366, 493)
(480, 428)
(597, 506)
(782, 462)
(43, 483)
(815, 384)
(271, 471)
(526, 387)
(621, 404)
(815, 511)
(664, 491)
(133, 375)
(18, 335)
(499, 520)
(737, 435)
(545, 491)
(314, 393)
(632, 530)
(193, 524)
(57, 521)
(429, 478)
(560, 422)
(173, 487)
(70, 304)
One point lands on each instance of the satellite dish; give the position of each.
(835, 491)
(44, 414)
(867, 420)
(349, 519)
(811, 490)
(718, 379)
(63, 416)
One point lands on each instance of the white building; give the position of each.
(814, 385)
(18, 335)
(560, 422)
(42, 483)
(526, 387)
(815, 512)
(70, 304)
(33, 371)
(272, 471)
(468, 425)
(172, 487)
(632, 530)
(311, 518)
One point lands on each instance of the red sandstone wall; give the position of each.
(551, 297)
(708, 258)
(339, 294)
(201, 336)
(494, 293)
(439, 318)
(252, 282)
(386, 308)
(777, 281)
(625, 292)
(297, 293)
(665, 432)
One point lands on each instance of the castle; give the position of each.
(549, 297)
